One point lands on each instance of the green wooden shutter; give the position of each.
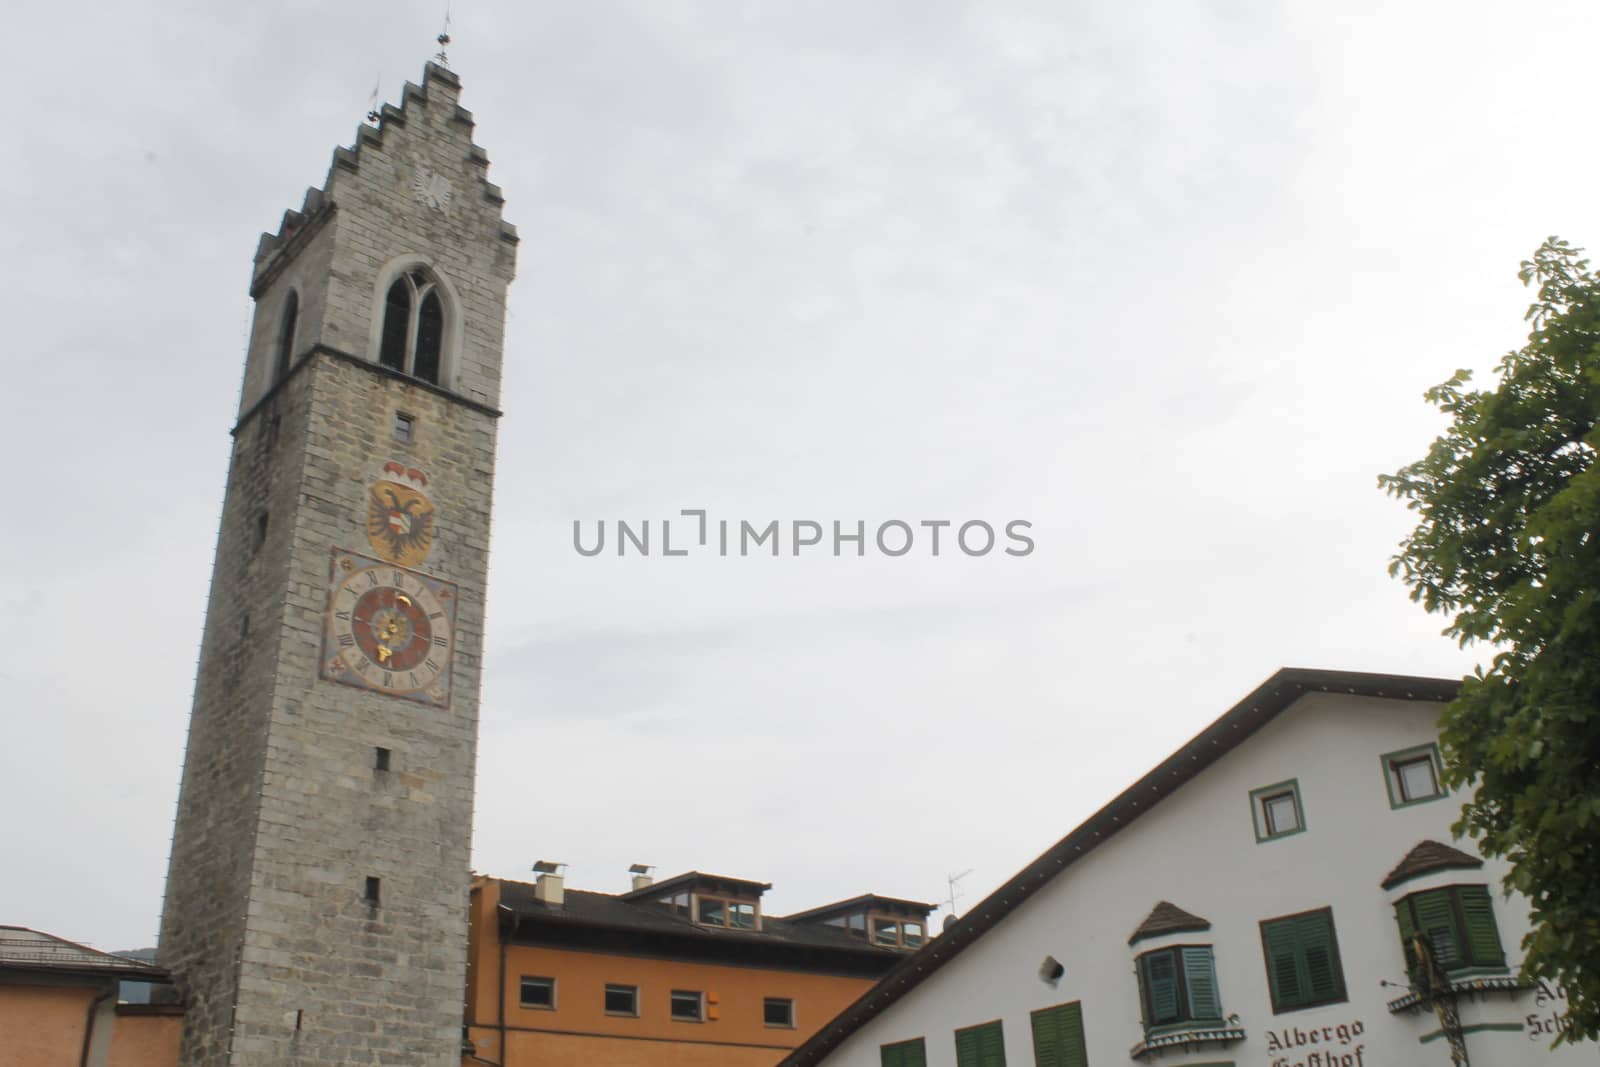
(1321, 960)
(981, 1046)
(966, 1048)
(1074, 1046)
(1058, 1037)
(1283, 971)
(1408, 929)
(1483, 938)
(1436, 917)
(1160, 973)
(904, 1054)
(1200, 975)
(1047, 1038)
(991, 1046)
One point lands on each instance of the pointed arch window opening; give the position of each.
(286, 328)
(412, 341)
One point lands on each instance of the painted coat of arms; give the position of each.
(400, 517)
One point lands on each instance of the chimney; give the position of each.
(550, 886)
(641, 876)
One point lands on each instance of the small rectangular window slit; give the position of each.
(380, 761)
(372, 892)
(404, 427)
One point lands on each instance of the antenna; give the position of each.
(372, 101)
(444, 39)
(953, 890)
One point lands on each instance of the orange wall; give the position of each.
(42, 1026)
(568, 1050)
(578, 1031)
(145, 1039)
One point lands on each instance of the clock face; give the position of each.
(389, 629)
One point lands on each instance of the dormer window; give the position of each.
(412, 341)
(707, 899)
(897, 933)
(886, 922)
(718, 911)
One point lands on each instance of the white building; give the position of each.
(1245, 903)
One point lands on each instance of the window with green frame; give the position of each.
(1178, 985)
(1302, 957)
(1458, 923)
(1412, 775)
(1277, 810)
(911, 1053)
(1058, 1036)
(981, 1046)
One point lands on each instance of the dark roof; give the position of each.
(865, 902)
(30, 950)
(629, 925)
(691, 879)
(1167, 918)
(1260, 707)
(1427, 857)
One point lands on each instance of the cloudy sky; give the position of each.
(1166, 281)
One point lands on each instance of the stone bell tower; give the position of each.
(316, 903)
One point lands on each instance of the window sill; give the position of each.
(1470, 984)
(1290, 1009)
(1189, 1035)
(1397, 804)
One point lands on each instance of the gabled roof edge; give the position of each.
(1224, 734)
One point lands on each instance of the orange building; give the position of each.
(58, 1007)
(683, 971)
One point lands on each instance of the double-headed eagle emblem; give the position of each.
(431, 189)
(400, 516)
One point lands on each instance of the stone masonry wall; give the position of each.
(203, 919)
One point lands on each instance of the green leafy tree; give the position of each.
(1508, 545)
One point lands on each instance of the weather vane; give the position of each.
(372, 101)
(444, 39)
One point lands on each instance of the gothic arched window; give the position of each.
(412, 341)
(285, 347)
